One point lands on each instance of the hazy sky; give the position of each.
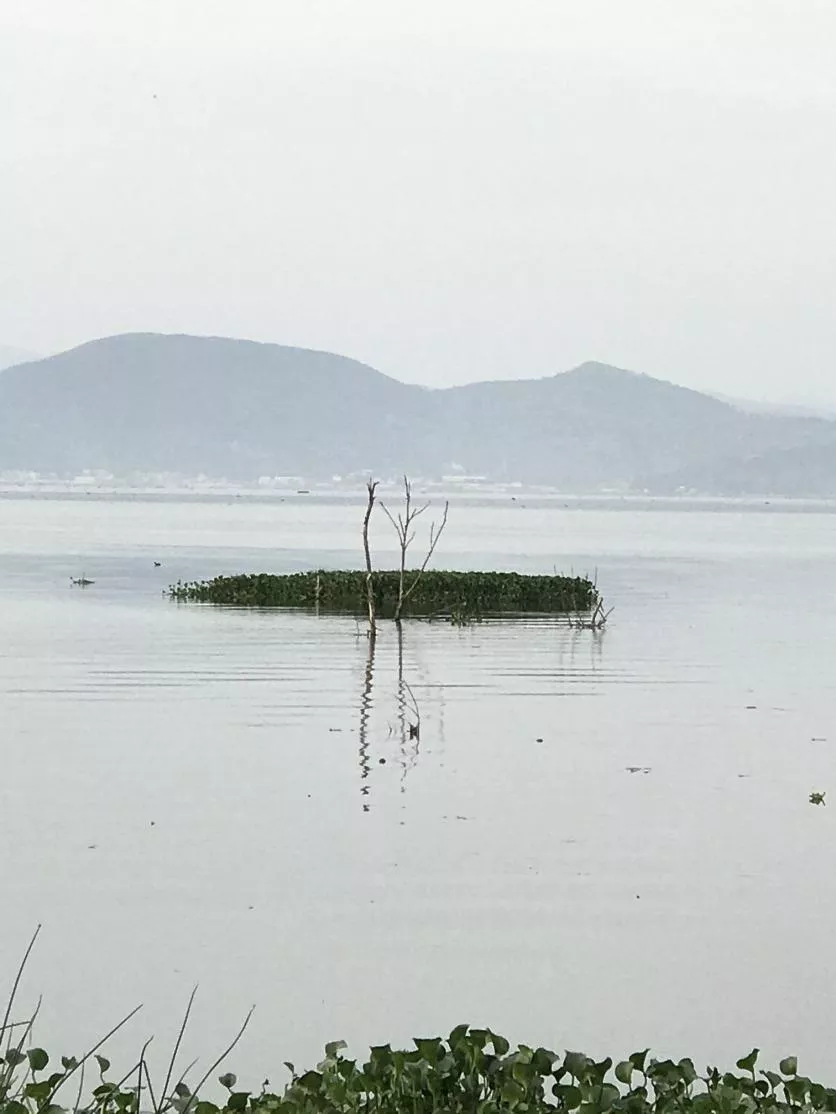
(449, 190)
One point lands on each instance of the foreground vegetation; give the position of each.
(473, 1070)
(435, 592)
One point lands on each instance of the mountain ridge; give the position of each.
(174, 403)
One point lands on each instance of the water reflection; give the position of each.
(407, 721)
(365, 716)
(409, 717)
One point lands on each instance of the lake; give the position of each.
(599, 842)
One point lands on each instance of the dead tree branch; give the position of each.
(371, 486)
(403, 527)
(596, 621)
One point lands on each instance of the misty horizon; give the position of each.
(448, 194)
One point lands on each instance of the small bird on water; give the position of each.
(157, 564)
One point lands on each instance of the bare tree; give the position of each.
(596, 621)
(371, 487)
(403, 526)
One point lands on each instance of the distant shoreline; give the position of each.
(523, 498)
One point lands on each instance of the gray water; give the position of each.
(599, 842)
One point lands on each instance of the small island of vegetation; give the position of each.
(441, 593)
(394, 593)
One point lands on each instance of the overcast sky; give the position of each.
(449, 190)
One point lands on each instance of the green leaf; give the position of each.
(624, 1072)
(500, 1044)
(69, 1063)
(638, 1060)
(544, 1060)
(747, 1063)
(789, 1065)
(458, 1035)
(38, 1059)
(569, 1096)
(609, 1095)
(103, 1063)
(797, 1090)
(428, 1047)
(40, 1092)
(238, 1101)
(512, 1092)
(577, 1064)
(229, 1079)
(333, 1047)
(689, 1072)
(206, 1108)
(14, 1057)
(182, 1090)
(310, 1081)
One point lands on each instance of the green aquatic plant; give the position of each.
(437, 592)
(471, 1070)
(817, 798)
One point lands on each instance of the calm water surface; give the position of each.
(601, 842)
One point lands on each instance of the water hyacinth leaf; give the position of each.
(797, 1089)
(747, 1063)
(40, 1092)
(624, 1072)
(608, 1096)
(687, 1070)
(14, 1057)
(577, 1064)
(182, 1090)
(500, 1044)
(789, 1065)
(638, 1060)
(310, 1081)
(229, 1079)
(38, 1059)
(14, 1107)
(103, 1062)
(428, 1047)
(600, 1070)
(773, 1077)
(333, 1048)
(478, 1038)
(69, 1063)
(206, 1108)
(238, 1100)
(458, 1035)
(544, 1060)
(523, 1072)
(512, 1092)
(380, 1055)
(569, 1095)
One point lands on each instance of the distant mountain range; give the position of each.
(144, 403)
